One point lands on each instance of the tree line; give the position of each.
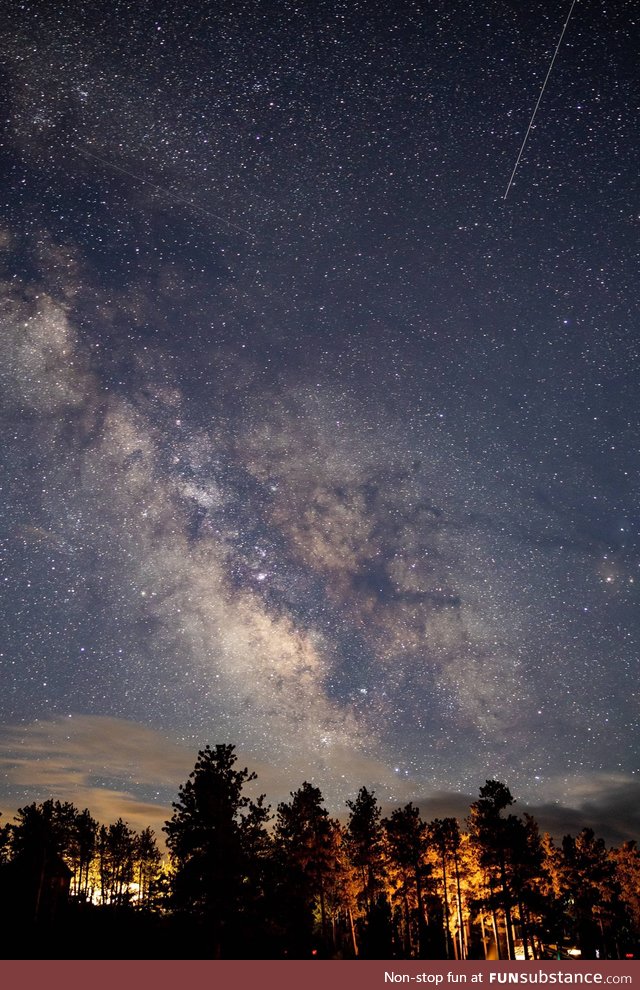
(240, 881)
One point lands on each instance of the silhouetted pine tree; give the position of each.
(587, 876)
(217, 838)
(306, 853)
(365, 846)
(406, 840)
(493, 835)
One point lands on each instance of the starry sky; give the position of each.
(314, 441)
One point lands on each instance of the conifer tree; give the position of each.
(216, 837)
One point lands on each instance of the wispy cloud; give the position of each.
(119, 768)
(102, 763)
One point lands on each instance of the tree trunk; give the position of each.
(353, 933)
(484, 935)
(421, 918)
(507, 909)
(524, 926)
(323, 912)
(494, 922)
(461, 932)
(447, 933)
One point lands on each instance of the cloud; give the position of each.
(119, 768)
(98, 762)
(608, 804)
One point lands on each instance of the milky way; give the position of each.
(312, 443)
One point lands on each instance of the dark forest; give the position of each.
(240, 881)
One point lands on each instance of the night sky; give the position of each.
(312, 441)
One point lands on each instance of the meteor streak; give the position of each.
(535, 109)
